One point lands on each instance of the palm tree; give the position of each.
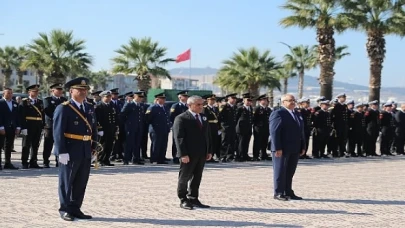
(248, 71)
(284, 74)
(300, 59)
(341, 52)
(58, 55)
(8, 62)
(142, 57)
(100, 79)
(21, 56)
(323, 15)
(377, 19)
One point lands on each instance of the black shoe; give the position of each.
(138, 163)
(35, 166)
(281, 197)
(197, 203)
(176, 161)
(126, 163)
(294, 197)
(186, 205)
(9, 166)
(307, 157)
(46, 166)
(81, 215)
(25, 166)
(162, 163)
(13, 150)
(67, 217)
(166, 159)
(212, 161)
(106, 164)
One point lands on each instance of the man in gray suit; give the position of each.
(191, 134)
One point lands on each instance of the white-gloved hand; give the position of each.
(64, 158)
(100, 133)
(24, 132)
(219, 132)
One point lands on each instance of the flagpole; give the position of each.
(189, 71)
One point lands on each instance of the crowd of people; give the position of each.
(126, 122)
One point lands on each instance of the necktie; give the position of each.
(198, 121)
(82, 109)
(296, 119)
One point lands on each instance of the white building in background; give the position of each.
(125, 83)
(180, 83)
(29, 77)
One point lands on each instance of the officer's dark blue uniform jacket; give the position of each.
(158, 119)
(67, 120)
(50, 104)
(133, 116)
(177, 109)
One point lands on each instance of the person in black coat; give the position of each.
(261, 115)
(175, 110)
(193, 141)
(244, 125)
(211, 112)
(9, 126)
(400, 130)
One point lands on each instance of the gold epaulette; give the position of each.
(65, 103)
(24, 99)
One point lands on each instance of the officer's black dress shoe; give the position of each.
(9, 166)
(35, 166)
(294, 197)
(138, 163)
(81, 215)
(197, 203)
(46, 166)
(162, 163)
(25, 166)
(67, 217)
(13, 150)
(186, 205)
(281, 197)
(176, 161)
(126, 163)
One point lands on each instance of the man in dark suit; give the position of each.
(193, 141)
(400, 130)
(74, 131)
(287, 144)
(50, 104)
(9, 126)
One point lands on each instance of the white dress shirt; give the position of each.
(193, 113)
(78, 104)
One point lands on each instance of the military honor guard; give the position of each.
(357, 131)
(50, 104)
(32, 123)
(176, 110)
(387, 129)
(74, 131)
(373, 128)
(96, 96)
(211, 112)
(144, 140)
(117, 104)
(322, 124)
(261, 114)
(244, 125)
(159, 128)
(400, 130)
(339, 115)
(227, 118)
(9, 126)
(307, 115)
(106, 117)
(133, 118)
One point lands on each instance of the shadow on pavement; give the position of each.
(191, 223)
(287, 211)
(359, 201)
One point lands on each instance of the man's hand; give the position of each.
(302, 152)
(64, 159)
(219, 132)
(209, 156)
(100, 133)
(185, 159)
(2, 132)
(17, 131)
(279, 153)
(24, 132)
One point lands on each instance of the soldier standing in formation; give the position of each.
(357, 128)
(159, 128)
(32, 124)
(50, 104)
(306, 113)
(107, 120)
(373, 128)
(261, 115)
(244, 124)
(144, 140)
(211, 112)
(400, 130)
(227, 118)
(133, 118)
(322, 124)
(177, 109)
(340, 123)
(119, 143)
(387, 129)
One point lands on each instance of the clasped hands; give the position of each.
(186, 159)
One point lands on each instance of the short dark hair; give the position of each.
(7, 88)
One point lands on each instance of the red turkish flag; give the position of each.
(184, 56)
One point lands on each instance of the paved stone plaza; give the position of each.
(353, 192)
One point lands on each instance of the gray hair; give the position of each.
(285, 96)
(193, 99)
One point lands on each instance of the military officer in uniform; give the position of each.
(175, 110)
(322, 128)
(129, 97)
(133, 118)
(306, 113)
(118, 149)
(318, 101)
(350, 132)
(211, 112)
(144, 140)
(261, 115)
(9, 126)
(373, 128)
(244, 125)
(387, 129)
(74, 131)
(227, 118)
(400, 130)
(159, 128)
(357, 127)
(32, 123)
(96, 96)
(339, 115)
(107, 119)
(50, 104)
